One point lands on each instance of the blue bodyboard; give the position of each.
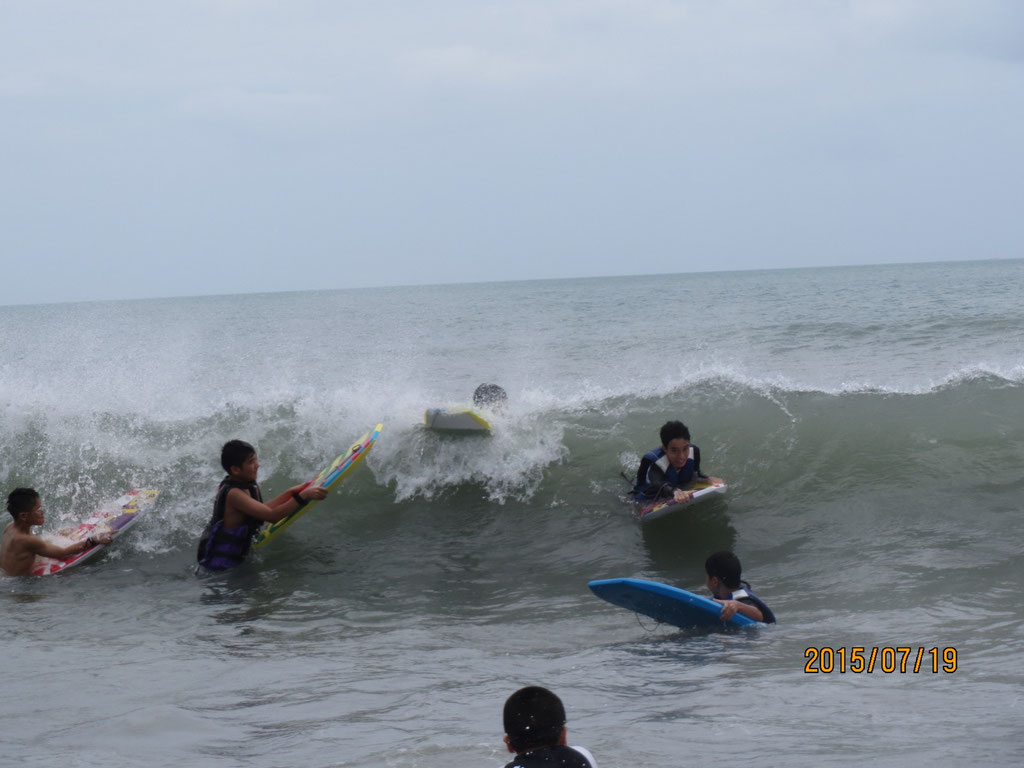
(667, 604)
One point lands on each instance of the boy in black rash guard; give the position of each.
(534, 720)
(736, 596)
(667, 471)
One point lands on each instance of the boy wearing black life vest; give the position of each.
(534, 720)
(666, 471)
(239, 510)
(723, 579)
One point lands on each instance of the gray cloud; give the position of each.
(213, 147)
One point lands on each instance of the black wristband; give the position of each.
(89, 543)
(299, 500)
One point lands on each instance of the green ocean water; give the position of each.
(868, 421)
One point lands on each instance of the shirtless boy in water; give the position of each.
(19, 547)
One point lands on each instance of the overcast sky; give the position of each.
(167, 149)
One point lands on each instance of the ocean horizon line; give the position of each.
(516, 281)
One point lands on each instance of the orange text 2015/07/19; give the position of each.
(825, 660)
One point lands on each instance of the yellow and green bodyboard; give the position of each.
(328, 478)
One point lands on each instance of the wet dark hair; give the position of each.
(489, 394)
(533, 717)
(21, 500)
(234, 453)
(673, 430)
(726, 566)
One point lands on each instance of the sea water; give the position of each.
(869, 422)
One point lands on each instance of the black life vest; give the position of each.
(673, 477)
(220, 548)
(745, 594)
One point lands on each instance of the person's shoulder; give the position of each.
(238, 492)
(562, 755)
(586, 753)
(17, 543)
(14, 535)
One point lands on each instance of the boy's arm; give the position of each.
(306, 490)
(279, 508)
(732, 607)
(40, 547)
